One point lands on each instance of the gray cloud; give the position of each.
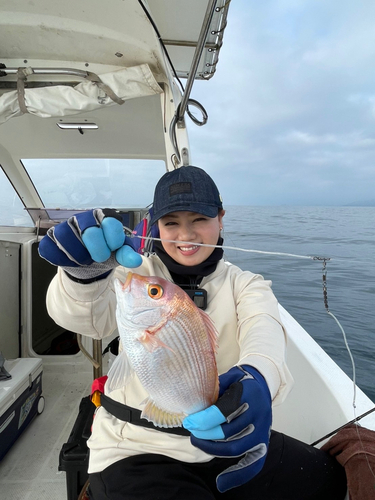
(292, 105)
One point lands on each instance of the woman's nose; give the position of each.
(186, 232)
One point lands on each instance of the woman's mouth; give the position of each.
(188, 250)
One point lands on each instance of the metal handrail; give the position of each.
(197, 56)
(47, 71)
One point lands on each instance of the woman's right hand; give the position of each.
(89, 245)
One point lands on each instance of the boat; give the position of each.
(92, 112)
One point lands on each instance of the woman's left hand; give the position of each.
(238, 424)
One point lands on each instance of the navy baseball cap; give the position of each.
(186, 189)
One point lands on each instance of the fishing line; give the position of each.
(225, 247)
(309, 257)
(324, 260)
(325, 299)
(356, 419)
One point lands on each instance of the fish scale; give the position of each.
(169, 366)
(198, 368)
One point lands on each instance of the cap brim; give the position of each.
(207, 210)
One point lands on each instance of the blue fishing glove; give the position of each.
(89, 245)
(238, 424)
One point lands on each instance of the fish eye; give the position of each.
(155, 291)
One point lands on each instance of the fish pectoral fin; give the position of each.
(151, 342)
(160, 417)
(154, 329)
(119, 373)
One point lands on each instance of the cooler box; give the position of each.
(20, 399)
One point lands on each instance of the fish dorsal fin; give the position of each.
(212, 332)
(160, 417)
(119, 373)
(213, 339)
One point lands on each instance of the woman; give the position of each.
(228, 450)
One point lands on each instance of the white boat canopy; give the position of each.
(101, 81)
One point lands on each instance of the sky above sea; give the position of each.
(292, 105)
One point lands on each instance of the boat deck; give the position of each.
(29, 471)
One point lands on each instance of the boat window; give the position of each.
(12, 211)
(89, 183)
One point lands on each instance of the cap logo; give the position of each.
(180, 188)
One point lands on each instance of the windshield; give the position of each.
(90, 183)
(12, 211)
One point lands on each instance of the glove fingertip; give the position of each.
(113, 232)
(210, 434)
(247, 468)
(204, 420)
(127, 257)
(96, 245)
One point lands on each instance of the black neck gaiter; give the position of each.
(189, 275)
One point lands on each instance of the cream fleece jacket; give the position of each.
(245, 313)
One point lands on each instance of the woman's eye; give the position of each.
(155, 291)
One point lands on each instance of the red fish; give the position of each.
(170, 344)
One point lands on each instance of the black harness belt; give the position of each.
(133, 416)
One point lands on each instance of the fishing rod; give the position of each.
(342, 426)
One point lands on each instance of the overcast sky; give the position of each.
(292, 104)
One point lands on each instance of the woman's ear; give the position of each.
(220, 217)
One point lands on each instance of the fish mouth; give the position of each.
(127, 281)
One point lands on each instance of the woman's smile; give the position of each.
(189, 250)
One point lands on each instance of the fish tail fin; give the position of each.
(119, 373)
(160, 417)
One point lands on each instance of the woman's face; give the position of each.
(192, 228)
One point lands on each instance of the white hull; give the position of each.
(322, 397)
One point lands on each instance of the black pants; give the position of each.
(293, 471)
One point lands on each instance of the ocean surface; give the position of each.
(346, 235)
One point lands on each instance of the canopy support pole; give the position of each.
(197, 56)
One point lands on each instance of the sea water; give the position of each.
(346, 235)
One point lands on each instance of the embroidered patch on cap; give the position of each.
(180, 188)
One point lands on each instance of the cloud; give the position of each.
(292, 105)
(351, 140)
(299, 137)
